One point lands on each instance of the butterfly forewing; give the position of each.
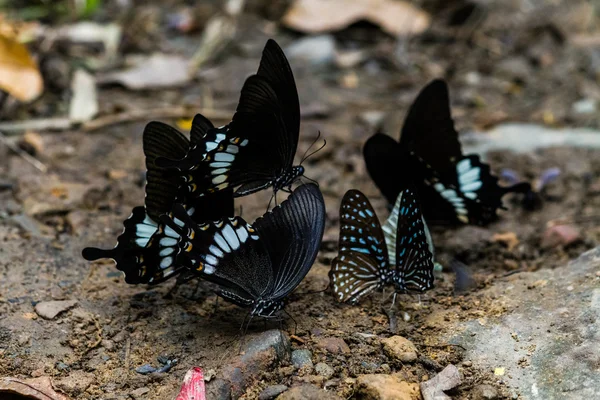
(362, 263)
(413, 249)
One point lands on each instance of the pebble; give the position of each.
(315, 50)
(50, 309)
(560, 235)
(302, 358)
(485, 392)
(434, 388)
(145, 369)
(333, 345)
(400, 348)
(138, 393)
(271, 392)
(584, 106)
(324, 370)
(386, 387)
(307, 392)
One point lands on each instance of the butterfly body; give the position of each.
(370, 257)
(256, 265)
(454, 188)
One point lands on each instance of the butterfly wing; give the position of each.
(131, 244)
(383, 158)
(228, 252)
(161, 140)
(362, 263)
(292, 234)
(414, 247)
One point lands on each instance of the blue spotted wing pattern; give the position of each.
(409, 245)
(362, 263)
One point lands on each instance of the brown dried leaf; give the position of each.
(19, 73)
(398, 18)
(35, 388)
(509, 239)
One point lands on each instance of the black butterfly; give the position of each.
(256, 265)
(369, 257)
(256, 149)
(453, 188)
(145, 250)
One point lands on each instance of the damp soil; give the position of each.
(95, 178)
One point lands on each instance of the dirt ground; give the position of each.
(497, 71)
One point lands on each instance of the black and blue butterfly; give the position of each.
(256, 149)
(401, 253)
(453, 188)
(145, 250)
(255, 265)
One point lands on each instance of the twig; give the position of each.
(127, 352)
(167, 112)
(23, 154)
(59, 124)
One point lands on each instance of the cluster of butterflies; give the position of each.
(187, 226)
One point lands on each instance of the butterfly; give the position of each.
(255, 265)
(256, 149)
(144, 251)
(400, 253)
(453, 187)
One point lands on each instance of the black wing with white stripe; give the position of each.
(256, 265)
(453, 188)
(256, 150)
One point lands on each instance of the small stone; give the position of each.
(434, 388)
(108, 344)
(50, 309)
(324, 370)
(467, 364)
(218, 389)
(75, 383)
(386, 387)
(271, 392)
(302, 358)
(145, 369)
(400, 348)
(560, 235)
(307, 392)
(584, 106)
(485, 392)
(139, 393)
(32, 143)
(333, 345)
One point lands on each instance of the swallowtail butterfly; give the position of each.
(256, 149)
(453, 188)
(256, 265)
(370, 257)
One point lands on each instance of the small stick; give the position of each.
(23, 154)
(166, 112)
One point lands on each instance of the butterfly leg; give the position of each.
(293, 319)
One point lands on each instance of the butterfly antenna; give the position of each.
(314, 152)
(309, 147)
(312, 180)
(269, 205)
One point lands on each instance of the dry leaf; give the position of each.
(156, 71)
(19, 73)
(35, 388)
(398, 18)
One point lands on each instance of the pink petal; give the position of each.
(193, 385)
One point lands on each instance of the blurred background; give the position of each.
(79, 80)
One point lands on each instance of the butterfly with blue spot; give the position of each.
(256, 265)
(256, 149)
(400, 253)
(453, 188)
(145, 250)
